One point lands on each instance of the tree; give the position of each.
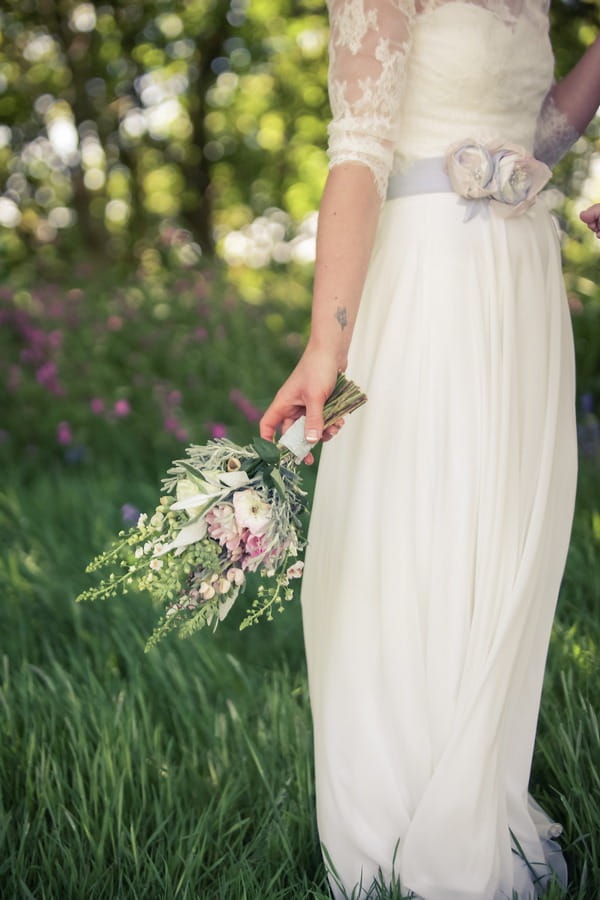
(134, 122)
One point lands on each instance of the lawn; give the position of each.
(187, 772)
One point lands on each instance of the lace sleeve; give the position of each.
(554, 132)
(367, 54)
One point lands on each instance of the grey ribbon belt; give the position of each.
(425, 176)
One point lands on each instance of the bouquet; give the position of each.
(226, 512)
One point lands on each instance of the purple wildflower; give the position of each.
(130, 513)
(244, 405)
(64, 435)
(217, 430)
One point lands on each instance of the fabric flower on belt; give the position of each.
(506, 175)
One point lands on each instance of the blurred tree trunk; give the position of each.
(197, 168)
(76, 48)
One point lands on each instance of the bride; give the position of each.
(442, 514)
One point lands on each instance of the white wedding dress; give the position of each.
(443, 510)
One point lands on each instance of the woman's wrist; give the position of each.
(331, 352)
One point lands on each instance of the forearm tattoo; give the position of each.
(342, 316)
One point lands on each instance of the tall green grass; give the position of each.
(187, 772)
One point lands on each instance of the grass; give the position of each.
(187, 772)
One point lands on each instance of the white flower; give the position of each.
(251, 511)
(197, 493)
(189, 534)
(185, 488)
(505, 174)
(157, 520)
(147, 546)
(142, 520)
(139, 552)
(222, 585)
(206, 591)
(156, 564)
(470, 168)
(519, 178)
(296, 569)
(236, 576)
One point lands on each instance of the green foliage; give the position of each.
(122, 121)
(118, 118)
(112, 354)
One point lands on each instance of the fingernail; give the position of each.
(311, 436)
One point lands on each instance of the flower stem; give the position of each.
(345, 397)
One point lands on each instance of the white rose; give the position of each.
(519, 178)
(251, 511)
(470, 168)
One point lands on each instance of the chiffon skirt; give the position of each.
(437, 543)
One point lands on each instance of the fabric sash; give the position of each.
(424, 176)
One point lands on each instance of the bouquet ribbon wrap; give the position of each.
(294, 440)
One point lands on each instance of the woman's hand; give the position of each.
(304, 393)
(591, 217)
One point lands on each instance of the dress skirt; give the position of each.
(437, 543)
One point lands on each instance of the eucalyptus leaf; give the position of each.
(277, 481)
(267, 450)
(191, 470)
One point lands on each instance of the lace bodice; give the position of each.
(407, 79)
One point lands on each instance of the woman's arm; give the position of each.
(569, 107)
(347, 221)
(577, 95)
(368, 47)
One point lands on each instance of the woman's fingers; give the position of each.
(313, 426)
(332, 429)
(304, 393)
(591, 217)
(278, 417)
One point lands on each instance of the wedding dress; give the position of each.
(443, 510)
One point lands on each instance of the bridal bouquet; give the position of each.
(226, 512)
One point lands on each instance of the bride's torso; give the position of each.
(407, 82)
(477, 70)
